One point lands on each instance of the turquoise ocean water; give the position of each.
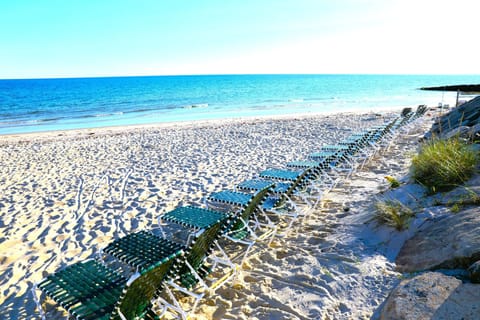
(57, 104)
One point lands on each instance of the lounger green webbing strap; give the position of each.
(280, 174)
(199, 251)
(248, 203)
(139, 293)
(303, 164)
(323, 154)
(257, 185)
(277, 192)
(255, 202)
(362, 139)
(317, 167)
(208, 226)
(271, 203)
(231, 197)
(355, 144)
(254, 184)
(87, 290)
(194, 217)
(298, 179)
(328, 158)
(91, 290)
(142, 249)
(340, 150)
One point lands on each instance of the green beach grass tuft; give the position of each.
(393, 214)
(442, 165)
(456, 208)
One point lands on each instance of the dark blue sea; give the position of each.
(57, 104)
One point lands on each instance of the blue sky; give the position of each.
(70, 38)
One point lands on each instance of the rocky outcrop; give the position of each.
(466, 115)
(449, 242)
(453, 242)
(432, 295)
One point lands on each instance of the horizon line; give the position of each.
(239, 74)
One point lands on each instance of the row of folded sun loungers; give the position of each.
(142, 275)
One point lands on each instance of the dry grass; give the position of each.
(393, 214)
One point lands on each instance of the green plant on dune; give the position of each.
(442, 165)
(456, 207)
(470, 198)
(393, 214)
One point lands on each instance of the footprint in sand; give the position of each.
(281, 254)
(315, 241)
(249, 279)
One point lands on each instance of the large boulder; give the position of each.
(432, 295)
(452, 242)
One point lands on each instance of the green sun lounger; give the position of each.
(245, 227)
(242, 207)
(142, 248)
(278, 202)
(299, 180)
(92, 290)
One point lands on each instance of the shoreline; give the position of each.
(102, 130)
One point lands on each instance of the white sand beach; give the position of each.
(65, 195)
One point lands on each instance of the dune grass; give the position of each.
(442, 165)
(393, 214)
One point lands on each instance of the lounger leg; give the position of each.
(37, 300)
(247, 252)
(225, 261)
(269, 224)
(174, 305)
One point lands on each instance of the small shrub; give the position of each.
(456, 208)
(472, 198)
(442, 165)
(393, 214)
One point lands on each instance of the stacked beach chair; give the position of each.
(144, 274)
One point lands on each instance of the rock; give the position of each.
(476, 146)
(432, 295)
(468, 114)
(475, 132)
(463, 195)
(427, 136)
(461, 132)
(474, 271)
(450, 243)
